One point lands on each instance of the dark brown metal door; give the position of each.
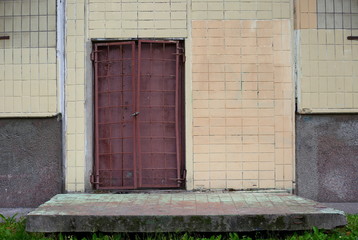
(138, 115)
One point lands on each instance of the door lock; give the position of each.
(135, 114)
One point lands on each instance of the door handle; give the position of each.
(135, 114)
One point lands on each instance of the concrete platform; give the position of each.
(182, 212)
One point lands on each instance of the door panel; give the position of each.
(157, 121)
(137, 102)
(115, 128)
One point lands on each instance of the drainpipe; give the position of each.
(61, 67)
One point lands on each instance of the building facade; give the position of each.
(327, 100)
(184, 94)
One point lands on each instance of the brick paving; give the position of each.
(184, 211)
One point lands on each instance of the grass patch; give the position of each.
(11, 229)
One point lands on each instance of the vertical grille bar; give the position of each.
(177, 111)
(135, 107)
(96, 179)
(139, 156)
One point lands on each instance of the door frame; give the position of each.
(180, 116)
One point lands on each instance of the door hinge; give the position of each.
(180, 180)
(94, 179)
(93, 55)
(180, 52)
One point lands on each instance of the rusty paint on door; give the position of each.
(138, 115)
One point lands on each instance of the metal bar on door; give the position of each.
(177, 111)
(113, 179)
(110, 115)
(138, 147)
(135, 137)
(96, 177)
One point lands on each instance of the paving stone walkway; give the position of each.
(184, 211)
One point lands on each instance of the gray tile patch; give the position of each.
(329, 6)
(321, 20)
(329, 20)
(337, 14)
(338, 21)
(354, 21)
(321, 6)
(338, 6)
(354, 6)
(347, 21)
(346, 6)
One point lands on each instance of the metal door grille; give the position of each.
(138, 112)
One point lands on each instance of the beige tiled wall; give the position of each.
(106, 19)
(306, 14)
(75, 95)
(327, 63)
(241, 9)
(238, 74)
(328, 71)
(137, 19)
(28, 72)
(242, 104)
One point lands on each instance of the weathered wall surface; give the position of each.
(110, 19)
(28, 65)
(30, 161)
(137, 19)
(239, 86)
(327, 63)
(327, 157)
(242, 90)
(242, 104)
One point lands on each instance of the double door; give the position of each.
(138, 115)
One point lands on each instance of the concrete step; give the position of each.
(182, 212)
